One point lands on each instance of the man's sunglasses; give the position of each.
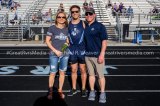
(88, 13)
(61, 17)
(74, 12)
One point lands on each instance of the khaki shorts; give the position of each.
(94, 68)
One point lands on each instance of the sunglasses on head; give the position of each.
(61, 17)
(74, 12)
(88, 13)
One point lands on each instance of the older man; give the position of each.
(95, 37)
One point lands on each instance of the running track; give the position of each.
(132, 77)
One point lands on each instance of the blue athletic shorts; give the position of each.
(77, 55)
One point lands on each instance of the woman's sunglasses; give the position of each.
(61, 17)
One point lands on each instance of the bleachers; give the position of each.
(103, 15)
(143, 5)
(140, 7)
(54, 4)
(25, 5)
(155, 3)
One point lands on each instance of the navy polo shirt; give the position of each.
(93, 36)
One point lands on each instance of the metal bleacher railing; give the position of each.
(114, 24)
(142, 16)
(138, 23)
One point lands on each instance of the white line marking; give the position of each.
(116, 49)
(37, 91)
(27, 49)
(134, 58)
(141, 58)
(128, 65)
(23, 58)
(146, 65)
(79, 75)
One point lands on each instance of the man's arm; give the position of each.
(102, 53)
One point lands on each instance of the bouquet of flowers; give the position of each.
(64, 47)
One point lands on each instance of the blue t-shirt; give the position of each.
(93, 36)
(58, 36)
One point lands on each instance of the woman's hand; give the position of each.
(58, 53)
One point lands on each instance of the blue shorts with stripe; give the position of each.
(77, 54)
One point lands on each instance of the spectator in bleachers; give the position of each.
(109, 4)
(48, 18)
(35, 19)
(6, 19)
(39, 15)
(14, 17)
(50, 11)
(91, 4)
(10, 3)
(120, 7)
(3, 3)
(60, 8)
(130, 12)
(155, 10)
(0, 4)
(114, 9)
(16, 4)
(85, 5)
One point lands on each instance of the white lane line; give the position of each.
(117, 91)
(134, 58)
(133, 75)
(79, 75)
(26, 75)
(128, 65)
(23, 58)
(116, 49)
(145, 58)
(139, 65)
(27, 49)
(136, 91)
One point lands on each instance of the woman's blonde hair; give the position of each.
(66, 22)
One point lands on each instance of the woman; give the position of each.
(56, 37)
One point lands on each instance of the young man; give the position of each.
(95, 37)
(77, 49)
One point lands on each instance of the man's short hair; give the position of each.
(75, 6)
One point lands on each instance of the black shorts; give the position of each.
(77, 59)
(77, 54)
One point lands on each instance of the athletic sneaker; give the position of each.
(92, 95)
(84, 93)
(102, 97)
(72, 92)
